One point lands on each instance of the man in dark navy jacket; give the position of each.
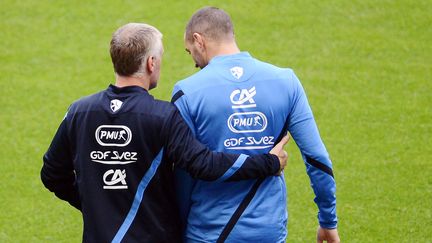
(113, 154)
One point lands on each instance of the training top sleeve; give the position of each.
(184, 182)
(57, 173)
(180, 101)
(304, 131)
(188, 153)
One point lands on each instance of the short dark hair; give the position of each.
(131, 45)
(211, 22)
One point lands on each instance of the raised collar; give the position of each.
(126, 90)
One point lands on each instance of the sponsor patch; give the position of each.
(115, 179)
(113, 135)
(246, 122)
(243, 98)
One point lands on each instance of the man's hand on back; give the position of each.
(280, 153)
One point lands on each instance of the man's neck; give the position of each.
(123, 81)
(221, 49)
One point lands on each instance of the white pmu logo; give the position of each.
(116, 181)
(240, 97)
(237, 72)
(116, 105)
(245, 122)
(113, 135)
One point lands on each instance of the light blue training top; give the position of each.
(239, 104)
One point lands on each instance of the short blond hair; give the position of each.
(131, 46)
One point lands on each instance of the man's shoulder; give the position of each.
(164, 106)
(189, 82)
(86, 102)
(155, 108)
(284, 76)
(146, 105)
(196, 81)
(208, 77)
(273, 68)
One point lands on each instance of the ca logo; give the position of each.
(116, 181)
(243, 98)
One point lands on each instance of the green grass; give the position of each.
(365, 66)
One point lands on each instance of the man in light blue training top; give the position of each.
(239, 104)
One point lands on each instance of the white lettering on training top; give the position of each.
(243, 98)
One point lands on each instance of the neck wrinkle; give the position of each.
(124, 81)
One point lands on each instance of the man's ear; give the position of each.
(150, 64)
(199, 39)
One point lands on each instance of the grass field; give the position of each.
(365, 66)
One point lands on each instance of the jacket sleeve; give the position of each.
(57, 172)
(188, 153)
(304, 131)
(184, 183)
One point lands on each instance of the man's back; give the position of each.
(239, 104)
(230, 110)
(116, 138)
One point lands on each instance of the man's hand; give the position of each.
(279, 152)
(329, 235)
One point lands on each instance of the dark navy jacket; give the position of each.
(112, 158)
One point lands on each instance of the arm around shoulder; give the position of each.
(188, 153)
